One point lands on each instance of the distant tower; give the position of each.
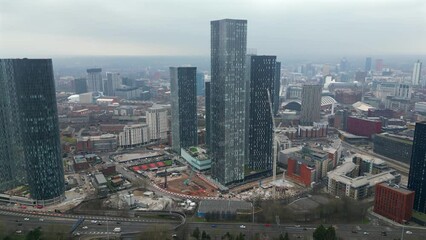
(29, 132)
(113, 81)
(261, 74)
(208, 114)
(228, 99)
(379, 65)
(311, 104)
(184, 107)
(344, 65)
(417, 174)
(80, 85)
(367, 64)
(200, 84)
(94, 80)
(156, 118)
(417, 73)
(277, 85)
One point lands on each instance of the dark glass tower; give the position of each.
(261, 75)
(31, 94)
(417, 175)
(80, 85)
(184, 107)
(367, 64)
(200, 84)
(228, 99)
(277, 85)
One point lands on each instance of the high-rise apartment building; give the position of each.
(200, 84)
(261, 75)
(311, 104)
(156, 118)
(183, 86)
(29, 136)
(228, 99)
(277, 86)
(367, 64)
(80, 85)
(417, 69)
(94, 80)
(112, 82)
(417, 174)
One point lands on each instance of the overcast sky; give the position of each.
(45, 28)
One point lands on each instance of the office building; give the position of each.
(367, 64)
(261, 80)
(228, 99)
(417, 174)
(366, 127)
(311, 104)
(112, 82)
(156, 118)
(80, 85)
(94, 80)
(29, 136)
(277, 86)
(397, 147)
(393, 202)
(208, 114)
(183, 86)
(417, 70)
(379, 65)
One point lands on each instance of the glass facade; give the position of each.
(184, 107)
(417, 174)
(261, 72)
(208, 118)
(277, 86)
(36, 133)
(228, 100)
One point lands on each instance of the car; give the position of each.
(77, 234)
(117, 230)
(305, 229)
(365, 233)
(297, 226)
(213, 226)
(118, 222)
(268, 225)
(99, 223)
(174, 236)
(354, 231)
(93, 221)
(26, 219)
(18, 231)
(384, 233)
(41, 219)
(16, 220)
(85, 227)
(19, 224)
(243, 226)
(409, 232)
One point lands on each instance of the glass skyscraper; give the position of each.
(184, 107)
(261, 74)
(417, 174)
(277, 86)
(30, 133)
(228, 100)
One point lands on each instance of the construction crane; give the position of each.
(274, 142)
(188, 180)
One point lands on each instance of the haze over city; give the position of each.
(178, 28)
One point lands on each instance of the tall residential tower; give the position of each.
(417, 174)
(228, 99)
(94, 80)
(417, 69)
(311, 104)
(29, 136)
(183, 85)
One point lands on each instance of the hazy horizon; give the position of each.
(48, 28)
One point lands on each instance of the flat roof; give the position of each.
(100, 178)
(223, 206)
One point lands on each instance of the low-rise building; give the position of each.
(394, 202)
(80, 163)
(197, 157)
(397, 147)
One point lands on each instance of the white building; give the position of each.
(156, 118)
(133, 135)
(113, 81)
(94, 80)
(417, 69)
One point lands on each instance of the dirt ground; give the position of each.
(196, 186)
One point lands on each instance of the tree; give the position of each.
(286, 236)
(240, 237)
(330, 233)
(34, 234)
(319, 233)
(205, 236)
(196, 233)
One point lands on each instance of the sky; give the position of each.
(45, 28)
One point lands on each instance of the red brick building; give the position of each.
(300, 172)
(363, 126)
(393, 202)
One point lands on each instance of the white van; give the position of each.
(117, 230)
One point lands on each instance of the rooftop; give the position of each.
(223, 206)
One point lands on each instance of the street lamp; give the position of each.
(402, 233)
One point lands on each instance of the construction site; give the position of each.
(191, 184)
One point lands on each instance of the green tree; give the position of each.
(205, 236)
(240, 237)
(319, 233)
(330, 233)
(196, 233)
(286, 236)
(34, 234)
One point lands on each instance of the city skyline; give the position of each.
(307, 28)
